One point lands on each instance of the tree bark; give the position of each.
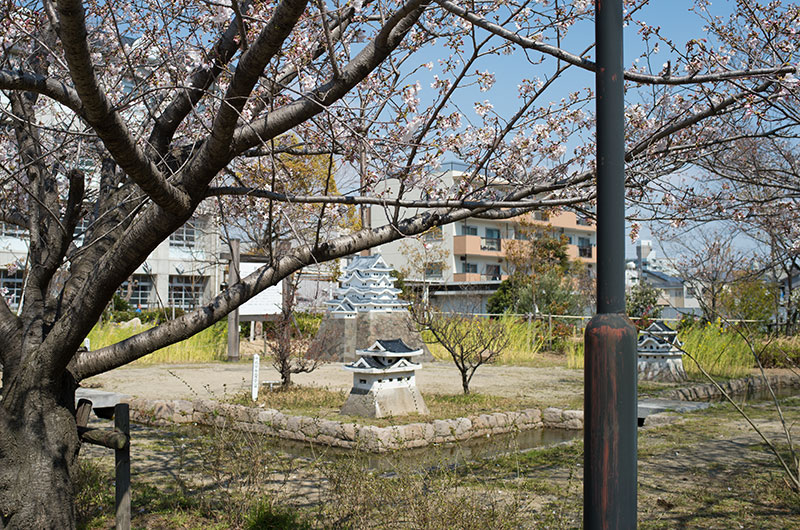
(465, 382)
(39, 451)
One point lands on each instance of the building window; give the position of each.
(11, 287)
(469, 230)
(582, 221)
(185, 236)
(434, 270)
(186, 291)
(492, 272)
(138, 293)
(541, 216)
(80, 231)
(9, 230)
(468, 268)
(492, 240)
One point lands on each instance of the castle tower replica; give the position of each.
(659, 358)
(366, 308)
(384, 383)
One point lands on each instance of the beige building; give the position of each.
(467, 259)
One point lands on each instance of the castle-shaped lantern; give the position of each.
(366, 286)
(384, 382)
(659, 356)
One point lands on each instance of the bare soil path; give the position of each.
(552, 386)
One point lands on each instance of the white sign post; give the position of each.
(254, 387)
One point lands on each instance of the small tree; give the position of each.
(293, 350)
(748, 298)
(641, 304)
(470, 340)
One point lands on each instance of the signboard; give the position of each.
(255, 381)
(267, 302)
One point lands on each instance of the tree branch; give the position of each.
(39, 84)
(586, 64)
(201, 80)
(215, 152)
(303, 108)
(108, 124)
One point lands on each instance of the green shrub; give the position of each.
(147, 316)
(780, 353)
(265, 516)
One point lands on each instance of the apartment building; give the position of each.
(462, 264)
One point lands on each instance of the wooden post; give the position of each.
(122, 459)
(233, 316)
(550, 332)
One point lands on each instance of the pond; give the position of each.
(448, 454)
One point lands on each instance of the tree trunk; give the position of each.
(38, 453)
(465, 382)
(286, 375)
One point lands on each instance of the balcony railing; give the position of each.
(490, 243)
(585, 252)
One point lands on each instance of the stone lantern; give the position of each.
(384, 383)
(659, 358)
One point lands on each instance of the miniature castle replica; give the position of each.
(659, 358)
(366, 307)
(384, 383)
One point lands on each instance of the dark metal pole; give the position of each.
(609, 491)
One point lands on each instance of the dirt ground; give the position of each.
(554, 386)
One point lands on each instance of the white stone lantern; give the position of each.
(659, 358)
(384, 381)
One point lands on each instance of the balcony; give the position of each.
(476, 277)
(477, 246)
(490, 243)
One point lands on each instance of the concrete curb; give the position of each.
(734, 386)
(345, 434)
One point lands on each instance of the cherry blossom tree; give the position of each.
(131, 117)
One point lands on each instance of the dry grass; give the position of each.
(323, 402)
(207, 346)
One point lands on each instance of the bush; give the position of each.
(780, 353)
(147, 316)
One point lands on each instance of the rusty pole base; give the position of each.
(610, 422)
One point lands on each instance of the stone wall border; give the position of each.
(734, 386)
(346, 434)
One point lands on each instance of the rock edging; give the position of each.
(344, 434)
(734, 386)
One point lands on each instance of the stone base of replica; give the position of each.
(339, 338)
(397, 401)
(663, 368)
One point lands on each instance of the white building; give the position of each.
(182, 272)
